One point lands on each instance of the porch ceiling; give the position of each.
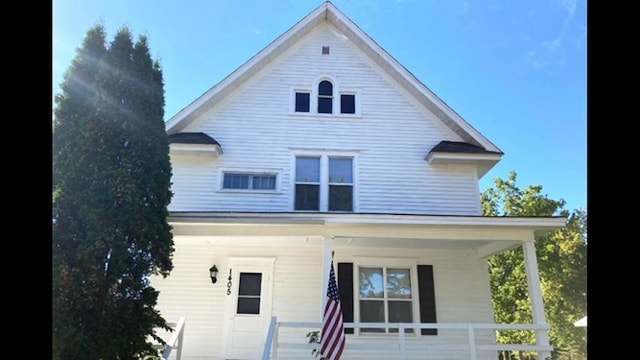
(483, 235)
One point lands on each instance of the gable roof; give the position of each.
(328, 12)
(460, 147)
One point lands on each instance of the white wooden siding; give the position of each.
(461, 288)
(256, 129)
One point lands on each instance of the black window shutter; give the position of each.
(345, 287)
(427, 295)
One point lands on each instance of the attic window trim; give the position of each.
(300, 93)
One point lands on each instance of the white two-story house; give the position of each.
(321, 144)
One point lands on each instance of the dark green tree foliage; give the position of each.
(111, 189)
(562, 257)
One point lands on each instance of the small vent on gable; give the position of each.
(325, 50)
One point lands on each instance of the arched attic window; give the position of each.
(325, 97)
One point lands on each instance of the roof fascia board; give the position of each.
(453, 157)
(407, 79)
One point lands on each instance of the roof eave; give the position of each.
(539, 223)
(245, 71)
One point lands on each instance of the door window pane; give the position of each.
(249, 306)
(249, 293)
(250, 284)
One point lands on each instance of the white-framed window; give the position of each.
(326, 98)
(249, 181)
(302, 101)
(324, 182)
(386, 291)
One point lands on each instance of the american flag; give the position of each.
(332, 336)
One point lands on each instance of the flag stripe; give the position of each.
(332, 338)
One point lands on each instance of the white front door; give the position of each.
(248, 307)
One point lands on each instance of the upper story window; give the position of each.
(340, 184)
(248, 181)
(328, 99)
(324, 183)
(307, 183)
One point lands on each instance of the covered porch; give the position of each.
(465, 328)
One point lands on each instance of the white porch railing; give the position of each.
(272, 345)
(175, 341)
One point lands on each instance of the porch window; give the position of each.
(386, 295)
(387, 290)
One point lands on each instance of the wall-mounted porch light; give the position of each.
(213, 272)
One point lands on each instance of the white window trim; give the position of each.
(324, 156)
(313, 99)
(292, 102)
(246, 171)
(364, 261)
(354, 92)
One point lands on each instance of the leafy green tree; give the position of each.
(562, 266)
(111, 189)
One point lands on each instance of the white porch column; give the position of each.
(326, 265)
(535, 294)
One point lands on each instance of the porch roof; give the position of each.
(482, 234)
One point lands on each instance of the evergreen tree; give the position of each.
(111, 189)
(562, 266)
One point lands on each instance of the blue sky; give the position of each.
(515, 70)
